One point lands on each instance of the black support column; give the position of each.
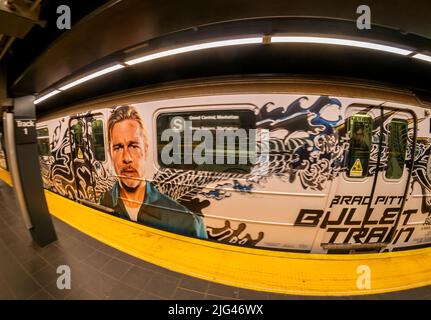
(25, 171)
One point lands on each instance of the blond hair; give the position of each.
(126, 112)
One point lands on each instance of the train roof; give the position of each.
(245, 85)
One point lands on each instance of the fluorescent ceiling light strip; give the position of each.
(341, 42)
(202, 46)
(422, 57)
(91, 76)
(46, 96)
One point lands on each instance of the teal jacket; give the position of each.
(158, 211)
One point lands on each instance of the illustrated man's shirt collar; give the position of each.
(158, 211)
(151, 195)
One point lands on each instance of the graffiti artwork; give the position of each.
(301, 190)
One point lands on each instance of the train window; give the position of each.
(397, 148)
(98, 139)
(78, 139)
(43, 142)
(216, 140)
(360, 132)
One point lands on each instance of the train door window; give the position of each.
(43, 142)
(98, 139)
(216, 140)
(78, 139)
(360, 133)
(397, 141)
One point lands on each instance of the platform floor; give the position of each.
(102, 272)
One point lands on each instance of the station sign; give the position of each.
(25, 131)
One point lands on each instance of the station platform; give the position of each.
(99, 271)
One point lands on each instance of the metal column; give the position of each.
(23, 163)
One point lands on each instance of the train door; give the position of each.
(398, 141)
(368, 201)
(82, 158)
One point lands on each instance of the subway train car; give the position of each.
(312, 168)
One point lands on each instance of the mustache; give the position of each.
(128, 168)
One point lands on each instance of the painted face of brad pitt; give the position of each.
(128, 154)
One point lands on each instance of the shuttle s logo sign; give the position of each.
(178, 124)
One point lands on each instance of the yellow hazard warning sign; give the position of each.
(356, 170)
(80, 155)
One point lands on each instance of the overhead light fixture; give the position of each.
(422, 57)
(195, 47)
(341, 42)
(91, 76)
(46, 96)
(235, 42)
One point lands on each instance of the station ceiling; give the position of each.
(104, 31)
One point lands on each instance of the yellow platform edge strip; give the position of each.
(256, 269)
(5, 176)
